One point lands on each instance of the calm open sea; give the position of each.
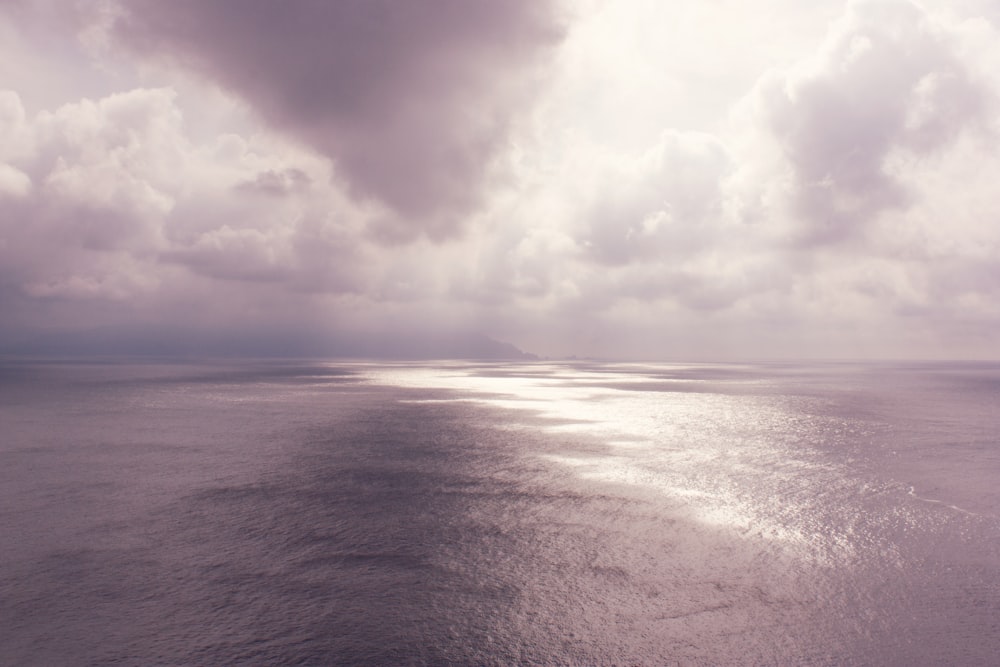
(266, 513)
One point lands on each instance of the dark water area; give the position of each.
(272, 513)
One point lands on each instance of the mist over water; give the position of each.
(268, 513)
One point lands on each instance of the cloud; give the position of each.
(665, 205)
(412, 100)
(13, 182)
(278, 183)
(831, 195)
(888, 81)
(111, 199)
(847, 194)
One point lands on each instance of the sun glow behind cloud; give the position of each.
(635, 179)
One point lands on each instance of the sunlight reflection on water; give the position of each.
(360, 513)
(743, 463)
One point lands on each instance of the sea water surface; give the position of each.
(322, 513)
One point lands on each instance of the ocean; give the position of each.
(458, 513)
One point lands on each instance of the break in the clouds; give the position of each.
(639, 178)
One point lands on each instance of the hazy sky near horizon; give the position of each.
(639, 178)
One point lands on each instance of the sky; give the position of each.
(636, 179)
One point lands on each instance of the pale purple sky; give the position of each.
(623, 178)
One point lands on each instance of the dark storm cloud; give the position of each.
(409, 98)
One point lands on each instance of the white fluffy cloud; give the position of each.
(886, 87)
(107, 198)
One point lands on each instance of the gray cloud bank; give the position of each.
(411, 100)
(282, 176)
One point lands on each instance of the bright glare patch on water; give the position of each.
(738, 461)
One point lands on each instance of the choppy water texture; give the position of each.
(480, 514)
